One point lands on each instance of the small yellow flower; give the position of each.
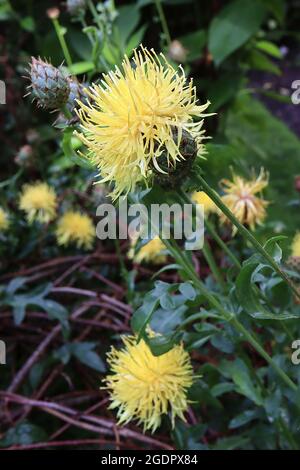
(200, 197)
(296, 245)
(39, 202)
(74, 227)
(151, 252)
(144, 387)
(131, 116)
(240, 197)
(4, 222)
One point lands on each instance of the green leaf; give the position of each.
(167, 321)
(233, 26)
(278, 8)
(259, 61)
(269, 48)
(223, 90)
(83, 352)
(15, 285)
(160, 344)
(127, 21)
(222, 388)
(188, 291)
(167, 302)
(135, 40)
(187, 437)
(81, 67)
(194, 43)
(28, 24)
(143, 315)
(19, 313)
(249, 299)
(230, 443)
(243, 418)
(23, 434)
(239, 373)
(273, 248)
(56, 311)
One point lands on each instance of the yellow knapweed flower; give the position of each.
(4, 222)
(296, 245)
(39, 202)
(77, 228)
(200, 197)
(151, 252)
(240, 197)
(128, 122)
(144, 387)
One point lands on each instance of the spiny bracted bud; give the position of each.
(49, 85)
(293, 262)
(175, 174)
(75, 6)
(76, 93)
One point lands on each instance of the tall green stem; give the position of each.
(62, 42)
(95, 14)
(163, 22)
(213, 265)
(246, 234)
(211, 229)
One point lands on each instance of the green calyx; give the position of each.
(174, 173)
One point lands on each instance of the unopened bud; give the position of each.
(50, 87)
(24, 156)
(75, 6)
(53, 13)
(173, 174)
(177, 52)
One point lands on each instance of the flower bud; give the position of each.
(177, 52)
(75, 6)
(76, 93)
(50, 87)
(24, 156)
(174, 175)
